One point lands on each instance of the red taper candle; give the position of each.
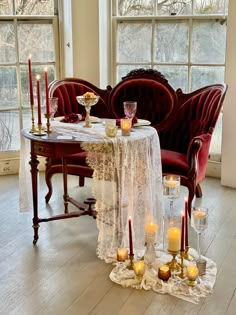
(186, 221)
(30, 81)
(46, 91)
(39, 101)
(182, 234)
(130, 239)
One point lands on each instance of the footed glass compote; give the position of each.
(171, 190)
(87, 100)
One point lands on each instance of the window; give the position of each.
(184, 40)
(26, 27)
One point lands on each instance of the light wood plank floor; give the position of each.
(62, 274)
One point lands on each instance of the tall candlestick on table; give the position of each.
(186, 221)
(46, 91)
(131, 253)
(182, 234)
(39, 100)
(31, 93)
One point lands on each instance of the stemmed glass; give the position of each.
(171, 190)
(53, 103)
(199, 221)
(87, 102)
(130, 109)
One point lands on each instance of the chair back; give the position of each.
(68, 88)
(156, 99)
(197, 114)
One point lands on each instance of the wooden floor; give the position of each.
(62, 274)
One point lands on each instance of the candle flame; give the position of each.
(182, 213)
(45, 69)
(186, 199)
(38, 77)
(30, 56)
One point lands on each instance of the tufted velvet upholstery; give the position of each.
(184, 122)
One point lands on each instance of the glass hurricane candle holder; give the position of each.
(111, 128)
(171, 190)
(164, 272)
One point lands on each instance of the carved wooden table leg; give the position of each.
(34, 175)
(65, 196)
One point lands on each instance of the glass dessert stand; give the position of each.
(87, 102)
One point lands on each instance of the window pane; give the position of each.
(35, 7)
(177, 76)
(202, 76)
(209, 6)
(8, 87)
(208, 42)
(9, 131)
(37, 40)
(25, 82)
(135, 7)
(165, 35)
(6, 7)
(134, 42)
(173, 7)
(7, 43)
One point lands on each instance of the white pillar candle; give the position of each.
(174, 235)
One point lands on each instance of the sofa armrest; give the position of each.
(197, 155)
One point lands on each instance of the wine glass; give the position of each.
(130, 108)
(199, 221)
(87, 102)
(53, 103)
(171, 190)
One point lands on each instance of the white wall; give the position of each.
(228, 168)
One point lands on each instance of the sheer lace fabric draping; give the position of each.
(175, 286)
(127, 182)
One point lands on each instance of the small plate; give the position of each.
(93, 119)
(142, 122)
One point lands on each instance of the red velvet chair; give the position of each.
(185, 138)
(66, 90)
(185, 122)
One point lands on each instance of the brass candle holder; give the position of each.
(139, 269)
(173, 264)
(192, 274)
(182, 275)
(40, 131)
(186, 254)
(48, 117)
(33, 129)
(130, 266)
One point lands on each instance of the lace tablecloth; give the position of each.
(127, 182)
(175, 286)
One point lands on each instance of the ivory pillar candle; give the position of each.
(151, 227)
(173, 239)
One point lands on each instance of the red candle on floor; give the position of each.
(39, 101)
(186, 221)
(46, 91)
(130, 239)
(30, 81)
(182, 234)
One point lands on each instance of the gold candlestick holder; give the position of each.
(186, 254)
(48, 117)
(40, 131)
(173, 264)
(130, 266)
(182, 275)
(33, 129)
